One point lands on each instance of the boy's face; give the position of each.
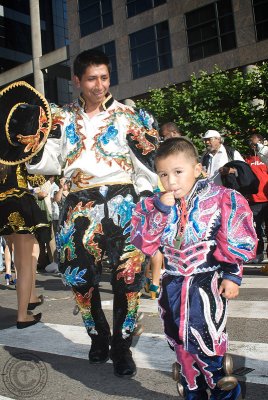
(178, 173)
(94, 83)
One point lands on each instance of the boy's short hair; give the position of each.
(90, 57)
(176, 145)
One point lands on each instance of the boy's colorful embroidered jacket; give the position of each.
(219, 232)
(114, 146)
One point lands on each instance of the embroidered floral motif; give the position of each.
(73, 277)
(121, 207)
(133, 301)
(71, 134)
(146, 119)
(15, 220)
(110, 134)
(132, 266)
(84, 304)
(65, 235)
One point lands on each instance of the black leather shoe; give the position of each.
(26, 324)
(32, 306)
(124, 365)
(99, 351)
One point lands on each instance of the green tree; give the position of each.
(231, 102)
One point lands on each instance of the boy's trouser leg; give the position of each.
(192, 378)
(213, 371)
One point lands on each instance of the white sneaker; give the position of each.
(53, 267)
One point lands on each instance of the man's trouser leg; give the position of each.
(96, 324)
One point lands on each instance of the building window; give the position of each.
(94, 15)
(150, 50)
(260, 10)
(109, 50)
(135, 7)
(210, 30)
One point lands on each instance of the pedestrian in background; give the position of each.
(259, 202)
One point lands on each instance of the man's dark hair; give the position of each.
(176, 145)
(258, 136)
(171, 127)
(87, 58)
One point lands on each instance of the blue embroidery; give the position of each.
(74, 278)
(71, 134)
(145, 118)
(110, 134)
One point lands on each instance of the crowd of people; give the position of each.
(115, 186)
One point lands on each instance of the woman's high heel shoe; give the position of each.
(154, 291)
(26, 324)
(9, 280)
(147, 285)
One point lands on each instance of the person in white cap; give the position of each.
(217, 155)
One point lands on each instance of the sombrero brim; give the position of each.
(26, 142)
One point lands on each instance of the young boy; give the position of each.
(205, 233)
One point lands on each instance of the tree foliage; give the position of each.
(231, 102)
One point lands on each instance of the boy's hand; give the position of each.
(168, 199)
(229, 289)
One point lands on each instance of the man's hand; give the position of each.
(168, 199)
(229, 289)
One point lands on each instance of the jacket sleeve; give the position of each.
(51, 159)
(236, 238)
(148, 223)
(142, 140)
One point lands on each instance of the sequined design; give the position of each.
(120, 209)
(78, 137)
(65, 236)
(132, 266)
(84, 304)
(133, 301)
(74, 277)
(16, 221)
(110, 134)
(71, 133)
(146, 119)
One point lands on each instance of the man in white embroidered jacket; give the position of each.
(106, 149)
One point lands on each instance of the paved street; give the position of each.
(49, 360)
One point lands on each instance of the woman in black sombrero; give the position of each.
(21, 219)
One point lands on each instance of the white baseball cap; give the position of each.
(210, 134)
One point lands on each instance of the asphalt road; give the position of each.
(49, 360)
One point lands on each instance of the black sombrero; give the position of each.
(25, 122)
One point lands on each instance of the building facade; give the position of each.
(153, 43)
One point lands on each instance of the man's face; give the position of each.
(94, 83)
(212, 144)
(167, 134)
(253, 141)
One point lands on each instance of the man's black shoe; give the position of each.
(124, 365)
(99, 351)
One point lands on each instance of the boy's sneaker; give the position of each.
(52, 268)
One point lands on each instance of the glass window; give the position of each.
(150, 50)
(260, 10)
(210, 30)
(109, 50)
(94, 15)
(135, 7)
